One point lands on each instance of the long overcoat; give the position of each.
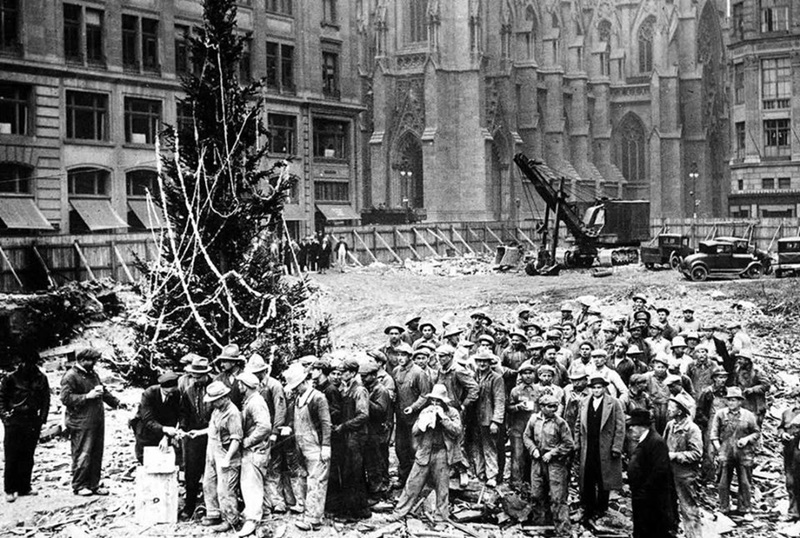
(612, 435)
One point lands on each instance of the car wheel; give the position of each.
(755, 271)
(699, 273)
(674, 260)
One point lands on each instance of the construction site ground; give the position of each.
(361, 302)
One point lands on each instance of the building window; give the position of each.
(182, 47)
(740, 140)
(9, 25)
(139, 43)
(604, 36)
(737, 20)
(283, 133)
(784, 183)
(15, 108)
(284, 7)
(767, 183)
(246, 62)
(329, 11)
(330, 139)
(330, 74)
(87, 116)
(331, 191)
(280, 67)
(774, 16)
(184, 120)
(777, 138)
(87, 182)
(646, 35)
(740, 184)
(15, 178)
(139, 183)
(776, 83)
(72, 33)
(631, 149)
(142, 119)
(83, 34)
(417, 21)
(738, 84)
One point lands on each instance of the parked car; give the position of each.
(788, 257)
(671, 249)
(742, 246)
(718, 258)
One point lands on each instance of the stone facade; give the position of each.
(55, 57)
(623, 98)
(765, 108)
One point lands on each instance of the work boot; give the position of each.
(223, 526)
(210, 521)
(11, 497)
(247, 529)
(100, 491)
(305, 525)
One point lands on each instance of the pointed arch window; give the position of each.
(631, 149)
(646, 35)
(604, 37)
(526, 37)
(417, 21)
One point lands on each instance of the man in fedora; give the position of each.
(230, 363)
(427, 334)
(436, 432)
(394, 331)
(685, 445)
(480, 326)
(600, 437)
(490, 411)
(734, 436)
(194, 415)
(649, 475)
(549, 442)
(223, 459)
(156, 418)
(413, 331)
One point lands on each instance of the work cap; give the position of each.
(691, 336)
(485, 355)
(519, 334)
(678, 341)
(639, 297)
(378, 355)
(637, 378)
(256, 364)
(547, 399)
(445, 350)
(526, 366)
(168, 380)
(248, 379)
(672, 379)
(404, 348)
(368, 367)
(427, 324)
(663, 358)
(578, 371)
(452, 331)
(689, 309)
(215, 390)
(599, 353)
(546, 368)
(553, 334)
(350, 365)
(421, 352)
(566, 307)
(663, 309)
(482, 315)
(323, 365)
(684, 400)
(633, 349)
(294, 375)
(734, 392)
(486, 338)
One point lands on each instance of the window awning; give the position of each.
(338, 212)
(98, 214)
(150, 215)
(22, 214)
(293, 212)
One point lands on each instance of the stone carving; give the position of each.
(411, 62)
(410, 110)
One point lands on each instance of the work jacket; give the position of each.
(548, 435)
(462, 389)
(256, 423)
(449, 427)
(728, 427)
(83, 413)
(25, 397)
(491, 406)
(684, 439)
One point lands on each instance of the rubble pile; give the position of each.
(451, 267)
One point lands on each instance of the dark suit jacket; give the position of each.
(154, 413)
(650, 477)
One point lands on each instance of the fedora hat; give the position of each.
(294, 375)
(734, 392)
(394, 326)
(526, 366)
(215, 390)
(482, 315)
(488, 338)
(485, 355)
(683, 400)
(256, 364)
(639, 417)
(427, 324)
(439, 392)
(198, 365)
(452, 331)
(413, 318)
(249, 379)
(598, 380)
(230, 352)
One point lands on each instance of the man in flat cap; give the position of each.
(734, 437)
(156, 420)
(658, 390)
(712, 399)
(411, 384)
(649, 475)
(480, 326)
(413, 331)
(685, 445)
(520, 407)
(376, 448)
(688, 324)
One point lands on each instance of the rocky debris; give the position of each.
(451, 267)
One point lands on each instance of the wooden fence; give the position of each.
(31, 263)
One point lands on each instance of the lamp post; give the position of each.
(693, 175)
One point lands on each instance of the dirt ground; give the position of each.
(361, 302)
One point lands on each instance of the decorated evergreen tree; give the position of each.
(216, 281)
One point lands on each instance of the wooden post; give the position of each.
(125, 265)
(435, 252)
(84, 261)
(460, 238)
(382, 240)
(11, 267)
(112, 260)
(409, 245)
(446, 240)
(355, 259)
(500, 241)
(371, 255)
(485, 246)
(50, 282)
(525, 236)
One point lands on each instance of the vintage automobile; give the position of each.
(788, 257)
(671, 249)
(743, 246)
(718, 258)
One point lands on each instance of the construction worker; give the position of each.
(257, 426)
(519, 409)
(711, 400)
(754, 384)
(789, 429)
(230, 363)
(489, 414)
(658, 390)
(194, 414)
(549, 442)
(378, 431)
(436, 431)
(685, 445)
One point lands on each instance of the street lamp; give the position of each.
(693, 175)
(405, 183)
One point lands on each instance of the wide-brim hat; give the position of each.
(403, 347)
(526, 366)
(446, 349)
(256, 364)
(230, 352)
(683, 400)
(198, 365)
(519, 334)
(452, 331)
(249, 379)
(587, 300)
(412, 318)
(633, 349)
(744, 355)
(734, 392)
(639, 297)
(566, 307)
(663, 309)
(489, 339)
(662, 358)
(430, 324)
(423, 351)
(215, 390)
(678, 341)
(439, 392)
(598, 380)
(394, 326)
(482, 315)
(533, 324)
(548, 345)
(294, 375)
(484, 355)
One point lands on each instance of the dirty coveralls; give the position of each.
(791, 458)
(490, 408)
(686, 442)
(221, 484)
(312, 430)
(257, 426)
(727, 428)
(521, 404)
(550, 435)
